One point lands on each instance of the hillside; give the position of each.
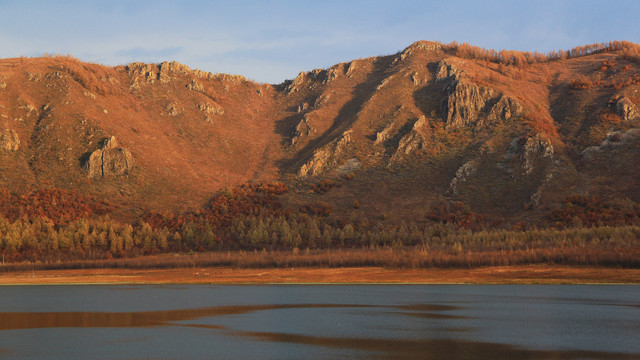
(509, 135)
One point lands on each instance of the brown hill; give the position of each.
(511, 134)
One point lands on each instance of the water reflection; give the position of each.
(320, 322)
(376, 347)
(433, 348)
(36, 320)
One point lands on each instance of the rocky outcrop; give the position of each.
(173, 109)
(614, 139)
(384, 134)
(333, 73)
(109, 160)
(326, 157)
(505, 109)
(627, 109)
(528, 150)
(412, 141)
(9, 140)
(536, 147)
(469, 104)
(464, 103)
(446, 69)
(142, 73)
(416, 47)
(302, 108)
(194, 85)
(551, 174)
(303, 129)
(296, 84)
(211, 108)
(352, 67)
(349, 166)
(169, 70)
(463, 174)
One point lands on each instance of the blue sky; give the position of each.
(270, 41)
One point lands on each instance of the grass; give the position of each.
(417, 257)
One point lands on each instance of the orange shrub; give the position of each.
(581, 83)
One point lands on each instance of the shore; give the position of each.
(532, 274)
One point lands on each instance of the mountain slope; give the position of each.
(510, 137)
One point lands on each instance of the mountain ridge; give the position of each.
(509, 133)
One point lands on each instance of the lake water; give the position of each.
(320, 322)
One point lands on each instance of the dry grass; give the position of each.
(403, 258)
(532, 274)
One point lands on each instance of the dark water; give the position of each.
(320, 322)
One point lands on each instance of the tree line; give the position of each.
(628, 50)
(251, 217)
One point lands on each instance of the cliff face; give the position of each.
(412, 127)
(469, 104)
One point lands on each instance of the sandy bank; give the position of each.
(538, 274)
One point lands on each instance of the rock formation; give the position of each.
(302, 130)
(528, 150)
(9, 140)
(326, 157)
(463, 174)
(614, 139)
(412, 141)
(627, 109)
(469, 104)
(110, 159)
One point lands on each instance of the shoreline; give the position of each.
(525, 274)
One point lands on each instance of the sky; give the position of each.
(271, 41)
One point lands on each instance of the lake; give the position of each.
(320, 322)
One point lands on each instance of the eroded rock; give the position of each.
(470, 104)
(110, 159)
(195, 86)
(326, 157)
(528, 150)
(463, 174)
(411, 142)
(627, 109)
(211, 108)
(9, 140)
(446, 70)
(302, 130)
(613, 140)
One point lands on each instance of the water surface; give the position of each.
(320, 322)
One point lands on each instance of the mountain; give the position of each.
(510, 134)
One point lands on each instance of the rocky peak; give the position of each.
(296, 84)
(168, 70)
(416, 47)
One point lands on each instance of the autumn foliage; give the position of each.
(251, 221)
(628, 50)
(456, 213)
(261, 198)
(59, 206)
(589, 211)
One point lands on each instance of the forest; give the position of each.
(249, 226)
